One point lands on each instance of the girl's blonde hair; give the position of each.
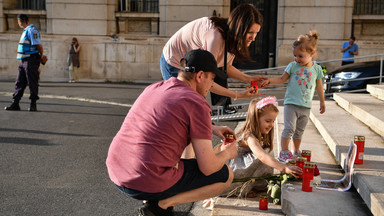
(307, 42)
(252, 122)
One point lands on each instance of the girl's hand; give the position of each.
(220, 131)
(322, 108)
(293, 170)
(264, 83)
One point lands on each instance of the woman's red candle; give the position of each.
(309, 168)
(254, 85)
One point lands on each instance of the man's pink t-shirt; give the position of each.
(145, 153)
(198, 34)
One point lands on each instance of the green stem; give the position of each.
(267, 178)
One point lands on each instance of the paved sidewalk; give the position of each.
(301, 203)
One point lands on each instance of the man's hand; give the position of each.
(221, 130)
(249, 93)
(44, 59)
(230, 148)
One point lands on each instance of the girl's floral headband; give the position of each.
(267, 100)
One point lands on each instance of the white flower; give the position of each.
(316, 180)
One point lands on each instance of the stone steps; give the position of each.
(357, 114)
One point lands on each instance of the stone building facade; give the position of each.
(122, 40)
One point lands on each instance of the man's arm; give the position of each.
(44, 58)
(210, 162)
(40, 49)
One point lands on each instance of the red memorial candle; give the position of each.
(309, 168)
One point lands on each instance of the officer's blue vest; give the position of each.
(25, 49)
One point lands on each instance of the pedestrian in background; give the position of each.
(31, 53)
(73, 60)
(225, 38)
(304, 77)
(349, 50)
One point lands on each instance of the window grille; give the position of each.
(139, 6)
(368, 7)
(31, 4)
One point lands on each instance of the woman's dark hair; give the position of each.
(234, 29)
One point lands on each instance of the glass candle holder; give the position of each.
(300, 163)
(263, 203)
(309, 168)
(229, 138)
(359, 141)
(306, 154)
(254, 85)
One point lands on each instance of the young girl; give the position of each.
(255, 155)
(304, 77)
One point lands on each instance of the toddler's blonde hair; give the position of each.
(307, 42)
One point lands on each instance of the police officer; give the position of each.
(30, 52)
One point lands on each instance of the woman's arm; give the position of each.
(238, 75)
(220, 90)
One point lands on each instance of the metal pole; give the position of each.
(381, 68)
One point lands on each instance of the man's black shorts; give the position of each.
(192, 178)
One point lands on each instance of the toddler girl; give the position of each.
(304, 77)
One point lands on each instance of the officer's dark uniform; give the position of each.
(28, 68)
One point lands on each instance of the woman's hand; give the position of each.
(256, 78)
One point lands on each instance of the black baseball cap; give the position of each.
(201, 60)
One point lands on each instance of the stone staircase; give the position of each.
(357, 114)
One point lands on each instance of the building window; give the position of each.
(372, 7)
(139, 6)
(31, 4)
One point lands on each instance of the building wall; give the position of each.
(134, 56)
(332, 19)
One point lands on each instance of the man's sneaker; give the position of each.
(297, 153)
(285, 156)
(151, 208)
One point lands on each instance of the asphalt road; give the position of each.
(52, 162)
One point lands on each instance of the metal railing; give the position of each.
(220, 112)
